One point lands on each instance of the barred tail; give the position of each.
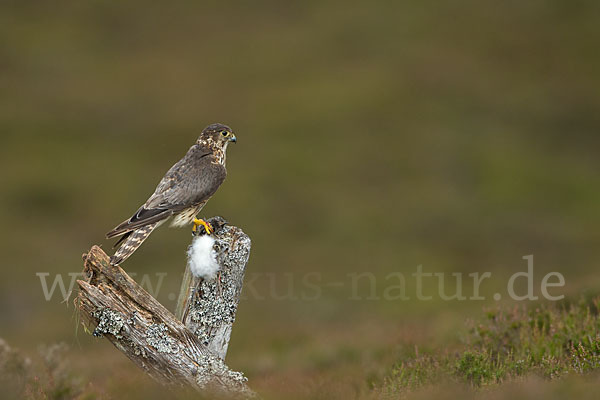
(133, 240)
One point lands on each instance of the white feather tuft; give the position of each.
(202, 257)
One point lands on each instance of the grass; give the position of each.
(550, 341)
(509, 345)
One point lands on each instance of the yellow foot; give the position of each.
(207, 227)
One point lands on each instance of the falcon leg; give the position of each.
(207, 227)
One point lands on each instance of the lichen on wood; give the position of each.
(208, 306)
(114, 306)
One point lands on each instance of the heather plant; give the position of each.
(550, 341)
(48, 377)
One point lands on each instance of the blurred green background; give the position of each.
(372, 137)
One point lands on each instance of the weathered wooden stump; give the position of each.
(189, 350)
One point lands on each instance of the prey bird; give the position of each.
(181, 193)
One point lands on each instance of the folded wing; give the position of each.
(192, 180)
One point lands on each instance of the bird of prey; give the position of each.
(181, 193)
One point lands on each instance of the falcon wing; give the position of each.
(192, 180)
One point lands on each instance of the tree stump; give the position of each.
(189, 350)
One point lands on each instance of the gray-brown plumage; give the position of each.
(181, 193)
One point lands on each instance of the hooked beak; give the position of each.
(233, 138)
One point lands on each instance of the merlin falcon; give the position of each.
(181, 193)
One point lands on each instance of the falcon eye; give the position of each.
(224, 133)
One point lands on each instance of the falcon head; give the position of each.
(217, 135)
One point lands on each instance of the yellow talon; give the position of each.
(206, 225)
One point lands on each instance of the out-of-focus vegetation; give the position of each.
(509, 346)
(372, 137)
(550, 342)
(48, 377)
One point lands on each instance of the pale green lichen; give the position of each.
(213, 366)
(109, 321)
(157, 336)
